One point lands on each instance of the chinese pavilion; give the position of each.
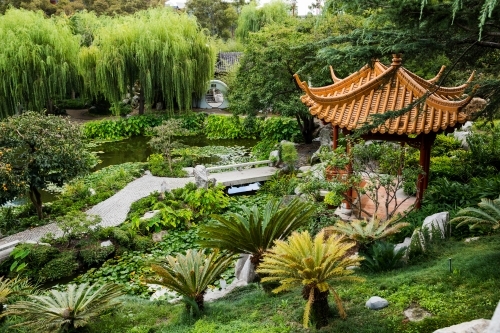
(375, 89)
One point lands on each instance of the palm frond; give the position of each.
(487, 214)
(311, 263)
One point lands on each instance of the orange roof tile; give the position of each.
(349, 102)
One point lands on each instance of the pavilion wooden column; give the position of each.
(349, 166)
(426, 142)
(335, 137)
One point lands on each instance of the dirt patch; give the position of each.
(83, 116)
(305, 152)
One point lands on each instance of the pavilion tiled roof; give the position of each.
(349, 102)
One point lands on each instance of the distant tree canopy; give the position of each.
(38, 61)
(69, 7)
(162, 52)
(252, 19)
(217, 16)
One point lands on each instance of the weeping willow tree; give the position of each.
(163, 52)
(252, 19)
(38, 61)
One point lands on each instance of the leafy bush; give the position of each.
(194, 122)
(382, 257)
(277, 129)
(445, 146)
(452, 193)
(444, 167)
(142, 243)
(96, 254)
(74, 103)
(65, 311)
(76, 224)
(190, 274)
(122, 128)
(223, 127)
(159, 167)
(289, 154)
(263, 149)
(313, 264)
(254, 231)
(280, 184)
(62, 266)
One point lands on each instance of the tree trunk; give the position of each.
(199, 301)
(307, 126)
(320, 309)
(36, 199)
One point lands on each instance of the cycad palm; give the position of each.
(12, 287)
(488, 214)
(63, 311)
(364, 232)
(254, 232)
(190, 274)
(313, 264)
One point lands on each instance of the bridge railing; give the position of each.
(238, 165)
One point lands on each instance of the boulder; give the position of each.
(471, 239)
(244, 269)
(274, 157)
(467, 126)
(201, 176)
(149, 214)
(376, 303)
(475, 326)
(158, 236)
(405, 245)
(416, 313)
(106, 243)
(495, 321)
(462, 137)
(92, 191)
(325, 135)
(437, 222)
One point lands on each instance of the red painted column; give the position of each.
(421, 177)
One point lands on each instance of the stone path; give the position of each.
(113, 210)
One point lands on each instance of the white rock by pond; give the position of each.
(462, 137)
(437, 223)
(495, 321)
(471, 239)
(274, 157)
(376, 303)
(475, 326)
(405, 245)
(149, 214)
(244, 269)
(106, 243)
(201, 176)
(467, 126)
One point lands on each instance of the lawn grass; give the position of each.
(470, 291)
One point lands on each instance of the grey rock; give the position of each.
(467, 126)
(325, 135)
(274, 157)
(147, 173)
(92, 191)
(376, 303)
(462, 137)
(305, 168)
(149, 214)
(106, 243)
(471, 239)
(189, 171)
(36, 243)
(201, 175)
(247, 271)
(416, 313)
(158, 236)
(437, 223)
(474, 326)
(495, 321)
(405, 245)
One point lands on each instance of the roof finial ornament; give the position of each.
(396, 59)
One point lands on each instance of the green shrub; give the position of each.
(159, 167)
(37, 257)
(223, 127)
(96, 254)
(76, 103)
(280, 185)
(121, 128)
(142, 243)
(280, 128)
(289, 154)
(445, 145)
(382, 257)
(444, 167)
(60, 267)
(263, 148)
(121, 237)
(194, 122)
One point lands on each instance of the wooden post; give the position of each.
(425, 160)
(335, 137)
(349, 168)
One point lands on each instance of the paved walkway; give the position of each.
(113, 210)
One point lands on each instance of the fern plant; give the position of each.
(254, 232)
(65, 311)
(367, 232)
(191, 274)
(383, 257)
(313, 264)
(488, 214)
(10, 288)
